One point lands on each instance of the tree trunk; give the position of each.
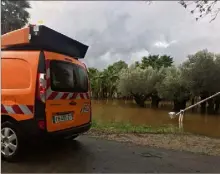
(140, 99)
(155, 100)
(178, 105)
(192, 103)
(203, 96)
(211, 106)
(217, 105)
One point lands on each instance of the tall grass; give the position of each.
(129, 128)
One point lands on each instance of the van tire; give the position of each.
(16, 141)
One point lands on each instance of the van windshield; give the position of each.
(68, 77)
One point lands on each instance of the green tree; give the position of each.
(98, 83)
(151, 60)
(111, 76)
(200, 70)
(217, 99)
(101, 85)
(92, 72)
(156, 61)
(14, 15)
(174, 88)
(118, 66)
(104, 83)
(165, 61)
(139, 83)
(137, 64)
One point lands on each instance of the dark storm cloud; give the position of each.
(123, 30)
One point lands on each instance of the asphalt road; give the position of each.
(95, 155)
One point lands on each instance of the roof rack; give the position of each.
(40, 37)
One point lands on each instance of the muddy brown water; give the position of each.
(129, 112)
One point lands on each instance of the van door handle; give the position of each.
(72, 103)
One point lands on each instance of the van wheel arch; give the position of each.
(5, 118)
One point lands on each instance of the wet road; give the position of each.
(95, 155)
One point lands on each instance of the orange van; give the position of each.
(45, 88)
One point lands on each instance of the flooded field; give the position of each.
(128, 112)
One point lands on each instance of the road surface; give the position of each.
(87, 154)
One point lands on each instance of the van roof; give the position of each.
(40, 37)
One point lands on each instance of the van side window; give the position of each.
(68, 77)
(16, 74)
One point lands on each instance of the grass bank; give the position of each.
(167, 136)
(115, 127)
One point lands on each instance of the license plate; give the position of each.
(62, 117)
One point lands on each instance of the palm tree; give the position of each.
(111, 78)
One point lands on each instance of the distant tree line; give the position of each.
(155, 78)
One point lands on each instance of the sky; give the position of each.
(129, 30)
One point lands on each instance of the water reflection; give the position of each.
(129, 112)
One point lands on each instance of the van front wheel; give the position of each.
(10, 141)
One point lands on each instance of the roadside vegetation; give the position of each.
(167, 136)
(157, 79)
(181, 142)
(118, 127)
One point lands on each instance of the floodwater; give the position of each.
(129, 112)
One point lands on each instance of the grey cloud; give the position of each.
(117, 30)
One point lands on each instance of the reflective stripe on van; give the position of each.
(53, 95)
(17, 109)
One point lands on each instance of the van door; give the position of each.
(18, 74)
(67, 96)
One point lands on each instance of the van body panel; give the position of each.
(40, 37)
(16, 37)
(57, 56)
(73, 102)
(18, 94)
(23, 80)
